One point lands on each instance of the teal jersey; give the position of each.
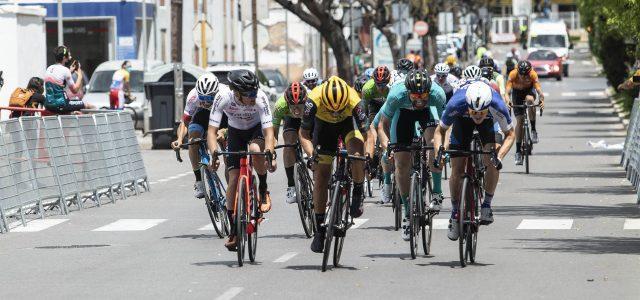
(399, 98)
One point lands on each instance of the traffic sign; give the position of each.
(420, 28)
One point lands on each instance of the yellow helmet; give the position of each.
(335, 94)
(451, 60)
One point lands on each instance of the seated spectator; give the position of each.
(31, 97)
(58, 78)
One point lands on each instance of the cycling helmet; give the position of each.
(369, 72)
(207, 85)
(418, 82)
(243, 81)
(360, 82)
(404, 65)
(472, 72)
(295, 94)
(310, 74)
(487, 72)
(451, 60)
(442, 69)
(456, 71)
(479, 96)
(524, 67)
(381, 75)
(486, 62)
(335, 94)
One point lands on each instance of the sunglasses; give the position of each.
(253, 94)
(205, 98)
(381, 85)
(417, 96)
(474, 113)
(442, 75)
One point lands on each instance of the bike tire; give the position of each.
(343, 218)
(369, 188)
(526, 148)
(333, 214)
(302, 195)
(397, 207)
(462, 215)
(413, 215)
(210, 198)
(426, 234)
(222, 204)
(254, 217)
(241, 221)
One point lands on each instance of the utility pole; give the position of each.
(203, 35)
(144, 36)
(60, 30)
(352, 37)
(254, 28)
(176, 30)
(286, 39)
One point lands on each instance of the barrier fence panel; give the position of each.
(22, 171)
(9, 196)
(630, 159)
(97, 166)
(110, 155)
(78, 157)
(135, 157)
(121, 151)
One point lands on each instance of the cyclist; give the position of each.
(289, 108)
(120, 86)
(522, 87)
(311, 78)
(444, 79)
(495, 77)
(407, 104)
(333, 110)
(195, 121)
(359, 84)
(451, 61)
(475, 106)
(404, 66)
(456, 71)
(247, 108)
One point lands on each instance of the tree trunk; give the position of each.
(176, 30)
(333, 35)
(392, 39)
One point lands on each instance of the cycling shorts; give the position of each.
(518, 97)
(239, 140)
(403, 125)
(325, 137)
(200, 121)
(116, 99)
(292, 124)
(462, 132)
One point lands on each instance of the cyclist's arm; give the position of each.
(358, 113)
(279, 112)
(212, 138)
(266, 119)
(215, 118)
(383, 131)
(308, 120)
(438, 137)
(507, 91)
(501, 115)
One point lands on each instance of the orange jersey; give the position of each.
(523, 82)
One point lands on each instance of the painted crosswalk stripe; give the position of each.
(358, 223)
(597, 94)
(285, 257)
(568, 94)
(631, 224)
(230, 293)
(130, 225)
(35, 225)
(440, 223)
(544, 224)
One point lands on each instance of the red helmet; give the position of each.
(381, 75)
(295, 94)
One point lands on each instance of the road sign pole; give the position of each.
(254, 28)
(60, 30)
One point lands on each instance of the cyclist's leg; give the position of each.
(518, 98)
(325, 139)
(461, 133)
(290, 135)
(402, 130)
(530, 100)
(197, 129)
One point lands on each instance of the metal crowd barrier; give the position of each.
(56, 162)
(630, 159)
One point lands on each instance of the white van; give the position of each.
(545, 34)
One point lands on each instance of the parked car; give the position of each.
(546, 63)
(222, 69)
(100, 83)
(275, 80)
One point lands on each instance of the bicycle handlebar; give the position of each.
(196, 141)
(528, 106)
(269, 155)
(494, 156)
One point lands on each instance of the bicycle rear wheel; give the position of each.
(254, 221)
(369, 188)
(333, 219)
(342, 221)
(221, 203)
(414, 218)
(526, 149)
(462, 217)
(397, 206)
(241, 221)
(303, 195)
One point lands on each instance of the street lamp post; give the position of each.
(60, 33)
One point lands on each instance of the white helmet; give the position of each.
(310, 74)
(207, 85)
(479, 96)
(472, 72)
(442, 69)
(395, 78)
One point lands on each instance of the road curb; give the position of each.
(617, 108)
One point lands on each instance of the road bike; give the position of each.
(304, 190)
(215, 191)
(527, 142)
(472, 192)
(246, 214)
(396, 203)
(338, 219)
(374, 171)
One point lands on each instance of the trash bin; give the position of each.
(161, 123)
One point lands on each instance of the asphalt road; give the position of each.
(578, 190)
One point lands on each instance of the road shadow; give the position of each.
(611, 135)
(401, 256)
(625, 210)
(586, 245)
(578, 153)
(285, 236)
(579, 123)
(193, 236)
(319, 268)
(452, 264)
(594, 174)
(385, 228)
(584, 114)
(599, 190)
(230, 263)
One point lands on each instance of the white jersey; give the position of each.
(194, 103)
(451, 80)
(240, 116)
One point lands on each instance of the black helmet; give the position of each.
(456, 71)
(404, 66)
(243, 81)
(486, 62)
(360, 82)
(418, 82)
(524, 67)
(487, 72)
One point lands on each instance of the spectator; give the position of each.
(57, 78)
(120, 87)
(34, 95)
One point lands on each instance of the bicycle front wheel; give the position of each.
(526, 149)
(414, 218)
(210, 201)
(397, 206)
(330, 225)
(254, 221)
(462, 217)
(241, 220)
(304, 196)
(342, 221)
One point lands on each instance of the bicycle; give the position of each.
(396, 203)
(304, 191)
(215, 191)
(374, 171)
(339, 220)
(527, 142)
(247, 215)
(472, 193)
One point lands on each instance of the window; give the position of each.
(101, 81)
(553, 41)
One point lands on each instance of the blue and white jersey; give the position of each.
(458, 107)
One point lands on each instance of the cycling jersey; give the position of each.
(194, 103)
(458, 107)
(56, 79)
(451, 80)
(314, 108)
(447, 86)
(517, 82)
(399, 98)
(281, 111)
(370, 93)
(499, 80)
(119, 78)
(240, 116)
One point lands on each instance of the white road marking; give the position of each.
(182, 175)
(569, 94)
(542, 224)
(173, 177)
(597, 94)
(440, 223)
(631, 224)
(230, 293)
(587, 62)
(545, 94)
(153, 182)
(130, 225)
(163, 180)
(285, 257)
(207, 227)
(35, 225)
(358, 223)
